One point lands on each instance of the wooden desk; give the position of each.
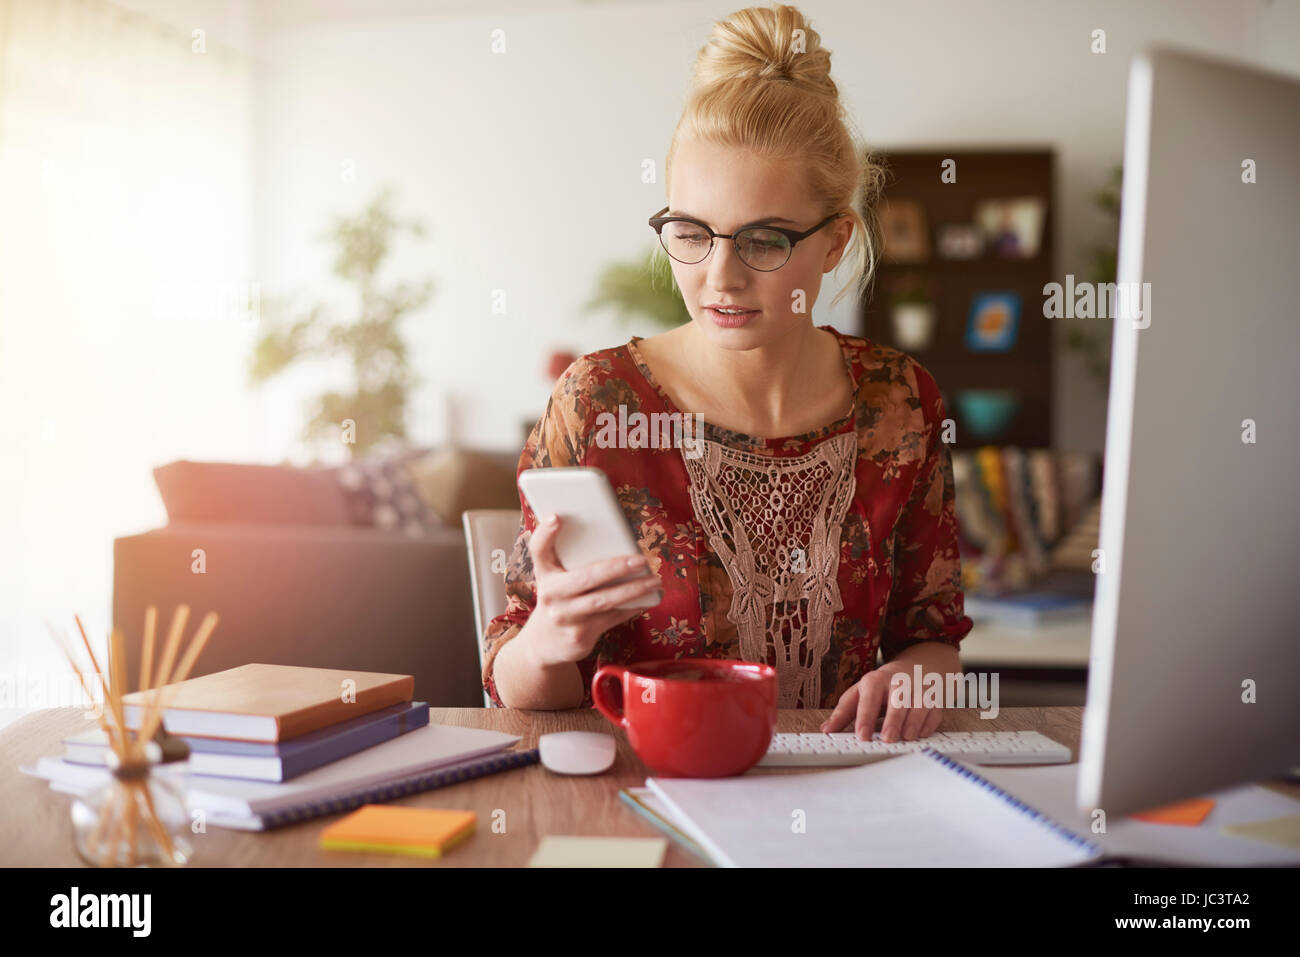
(36, 830)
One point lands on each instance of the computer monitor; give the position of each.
(1194, 677)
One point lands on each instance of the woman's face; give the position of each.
(727, 189)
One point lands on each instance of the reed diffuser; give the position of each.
(139, 818)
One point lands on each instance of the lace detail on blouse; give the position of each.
(775, 524)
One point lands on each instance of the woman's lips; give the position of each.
(730, 320)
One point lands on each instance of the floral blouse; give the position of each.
(809, 552)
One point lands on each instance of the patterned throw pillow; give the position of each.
(378, 491)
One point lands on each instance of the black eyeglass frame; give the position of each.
(659, 221)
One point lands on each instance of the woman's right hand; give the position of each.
(576, 606)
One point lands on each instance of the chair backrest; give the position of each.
(486, 531)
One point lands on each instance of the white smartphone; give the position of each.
(593, 526)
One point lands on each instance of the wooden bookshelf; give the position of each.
(1026, 368)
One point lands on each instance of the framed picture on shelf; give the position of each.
(960, 241)
(974, 323)
(1012, 228)
(903, 228)
(994, 322)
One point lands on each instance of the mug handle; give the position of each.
(599, 697)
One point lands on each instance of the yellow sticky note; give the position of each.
(1188, 813)
(599, 852)
(1282, 831)
(392, 829)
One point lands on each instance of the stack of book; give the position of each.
(269, 744)
(273, 722)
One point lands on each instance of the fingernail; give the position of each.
(552, 520)
(637, 562)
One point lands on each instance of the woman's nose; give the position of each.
(724, 260)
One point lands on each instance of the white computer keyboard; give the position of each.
(977, 747)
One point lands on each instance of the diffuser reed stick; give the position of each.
(130, 803)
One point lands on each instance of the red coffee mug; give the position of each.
(693, 717)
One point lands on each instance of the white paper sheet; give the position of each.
(1052, 789)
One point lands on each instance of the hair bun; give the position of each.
(765, 43)
(763, 85)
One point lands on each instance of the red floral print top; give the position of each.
(810, 552)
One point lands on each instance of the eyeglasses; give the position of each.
(764, 248)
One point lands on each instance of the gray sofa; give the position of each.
(328, 596)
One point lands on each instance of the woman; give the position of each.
(813, 523)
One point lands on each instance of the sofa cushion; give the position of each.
(234, 492)
(380, 491)
(453, 480)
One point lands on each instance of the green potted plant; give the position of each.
(373, 411)
(912, 314)
(641, 289)
(1087, 337)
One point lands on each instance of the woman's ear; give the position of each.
(841, 233)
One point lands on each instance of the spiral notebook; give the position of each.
(917, 810)
(374, 794)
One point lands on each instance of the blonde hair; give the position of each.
(762, 82)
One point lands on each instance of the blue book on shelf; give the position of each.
(276, 761)
(1028, 609)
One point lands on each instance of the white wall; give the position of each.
(125, 214)
(480, 144)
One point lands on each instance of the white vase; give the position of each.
(913, 325)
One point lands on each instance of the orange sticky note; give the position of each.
(388, 829)
(1189, 813)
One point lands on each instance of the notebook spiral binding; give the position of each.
(1014, 801)
(425, 781)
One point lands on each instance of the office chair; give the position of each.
(486, 530)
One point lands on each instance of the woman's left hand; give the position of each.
(862, 705)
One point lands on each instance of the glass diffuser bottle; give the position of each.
(139, 818)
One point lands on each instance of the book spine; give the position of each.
(1014, 801)
(394, 789)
